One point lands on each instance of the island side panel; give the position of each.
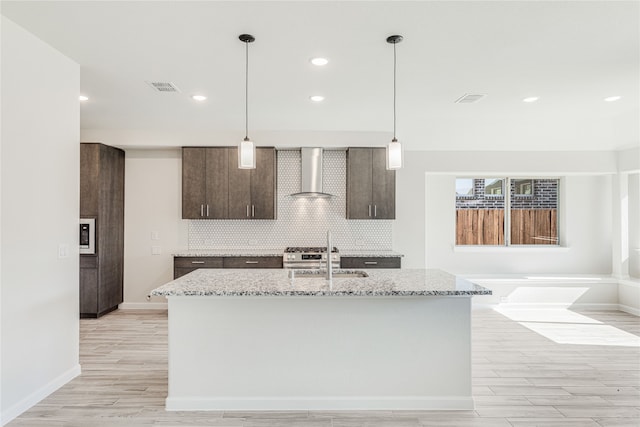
(322, 353)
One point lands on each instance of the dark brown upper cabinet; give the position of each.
(371, 188)
(214, 188)
(252, 192)
(204, 182)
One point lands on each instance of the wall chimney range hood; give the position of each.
(311, 176)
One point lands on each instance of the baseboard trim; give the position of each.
(143, 306)
(630, 310)
(549, 305)
(447, 403)
(35, 397)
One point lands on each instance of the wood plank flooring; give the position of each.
(520, 379)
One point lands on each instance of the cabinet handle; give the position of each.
(197, 262)
(207, 210)
(369, 210)
(375, 210)
(201, 210)
(251, 262)
(253, 210)
(371, 262)
(247, 210)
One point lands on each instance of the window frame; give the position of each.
(507, 210)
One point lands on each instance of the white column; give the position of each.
(620, 228)
(634, 224)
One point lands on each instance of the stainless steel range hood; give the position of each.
(311, 177)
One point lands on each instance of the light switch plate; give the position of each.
(63, 250)
(155, 235)
(156, 250)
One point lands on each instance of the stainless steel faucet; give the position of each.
(329, 261)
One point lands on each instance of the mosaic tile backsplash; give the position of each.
(300, 222)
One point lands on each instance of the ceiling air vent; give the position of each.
(164, 86)
(469, 98)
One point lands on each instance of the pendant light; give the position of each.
(246, 148)
(394, 148)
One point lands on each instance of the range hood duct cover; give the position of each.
(311, 176)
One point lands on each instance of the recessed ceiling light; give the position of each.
(199, 98)
(319, 61)
(317, 98)
(83, 98)
(531, 99)
(612, 98)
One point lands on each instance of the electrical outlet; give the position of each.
(155, 235)
(156, 250)
(504, 300)
(359, 242)
(253, 242)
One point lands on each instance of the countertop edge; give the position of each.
(277, 253)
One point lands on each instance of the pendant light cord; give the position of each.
(246, 93)
(394, 91)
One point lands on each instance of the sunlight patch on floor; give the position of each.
(567, 327)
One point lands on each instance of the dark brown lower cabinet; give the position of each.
(253, 262)
(370, 262)
(88, 284)
(184, 265)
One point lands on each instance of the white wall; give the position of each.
(425, 200)
(40, 201)
(584, 228)
(153, 203)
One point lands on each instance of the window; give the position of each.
(464, 187)
(493, 187)
(528, 216)
(523, 187)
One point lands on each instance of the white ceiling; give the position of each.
(570, 54)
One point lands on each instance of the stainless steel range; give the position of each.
(310, 257)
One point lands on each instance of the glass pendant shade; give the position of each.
(246, 154)
(394, 155)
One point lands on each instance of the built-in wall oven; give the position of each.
(88, 236)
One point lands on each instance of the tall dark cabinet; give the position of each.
(102, 198)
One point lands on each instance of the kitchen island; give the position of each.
(269, 340)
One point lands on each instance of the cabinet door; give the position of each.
(217, 183)
(359, 183)
(110, 229)
(239, 188)
(383, 186)
(89, 172)
(263, 185)
(194, 193)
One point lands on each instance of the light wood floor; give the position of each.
(520, 378)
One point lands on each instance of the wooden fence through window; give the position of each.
(485, 227)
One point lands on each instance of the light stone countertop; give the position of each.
(359, 253)
(229, 252)
(279, 252)
(277, 282)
